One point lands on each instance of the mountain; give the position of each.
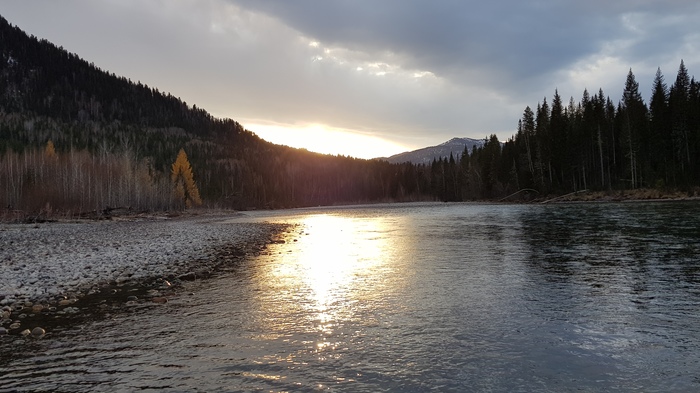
(426, 155)
(50, 95)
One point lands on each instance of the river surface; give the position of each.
(414, 298)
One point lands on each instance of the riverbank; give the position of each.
(51, 268)
(637, 195)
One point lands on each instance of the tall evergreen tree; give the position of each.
(528, 132)
(544, 154)
(679, 107)
(660, 132)
(634, 125)
(558, 140)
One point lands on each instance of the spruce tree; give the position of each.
(634, 125)
(659, 131)
(679, 107)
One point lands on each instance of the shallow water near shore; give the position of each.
(416, 297)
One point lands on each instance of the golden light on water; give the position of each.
(335, 254)
(336, 268)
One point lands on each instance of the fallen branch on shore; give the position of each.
(518, 192)
(563, 196)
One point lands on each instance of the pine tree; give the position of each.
(185, 189)
(679, 100)
(634, 125)
(558, 139)
(660, 132)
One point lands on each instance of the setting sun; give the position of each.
(327, 140)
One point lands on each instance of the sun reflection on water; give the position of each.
(335, 255)
(328, 276)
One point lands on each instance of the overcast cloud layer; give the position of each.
(413, 72)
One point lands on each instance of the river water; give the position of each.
(414, 298)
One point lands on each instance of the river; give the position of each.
(415, 298)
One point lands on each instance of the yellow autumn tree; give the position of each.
(50, 150)
(185, 189)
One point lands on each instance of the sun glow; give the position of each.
(336, 264)
(327, 140)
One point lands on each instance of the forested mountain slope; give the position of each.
(47, 94)
(113, 142)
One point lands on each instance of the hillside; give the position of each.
(113, 141)
(48, 94)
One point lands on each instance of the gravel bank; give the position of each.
(53, 261)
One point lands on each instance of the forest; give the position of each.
(105, 129)
(592, 144)
(75, 138)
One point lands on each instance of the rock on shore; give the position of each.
(39, 262)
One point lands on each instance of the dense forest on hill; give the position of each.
(113, 143)
(48, 94)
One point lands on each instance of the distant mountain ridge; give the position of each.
(426, 155)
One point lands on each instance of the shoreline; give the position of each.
(66, 269)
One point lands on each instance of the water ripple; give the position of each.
(414, 298)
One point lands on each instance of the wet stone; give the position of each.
(38, 332)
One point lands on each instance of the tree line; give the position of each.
(105, 125)
(592, 144)
(47, 94)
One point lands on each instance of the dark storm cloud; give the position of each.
(509, 41)
(514, 38)
(415, 72)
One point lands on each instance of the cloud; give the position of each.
(413, 72)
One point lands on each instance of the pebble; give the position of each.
(55, 264)
(38, 332)
(3, 331)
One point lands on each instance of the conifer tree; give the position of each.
(660, 131)
(679, 100)
(185, 189)
(634, 121)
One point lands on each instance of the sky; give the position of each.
(373, 78)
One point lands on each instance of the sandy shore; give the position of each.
(44, 263)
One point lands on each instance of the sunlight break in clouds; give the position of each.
(413, 73)
(327, 140)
